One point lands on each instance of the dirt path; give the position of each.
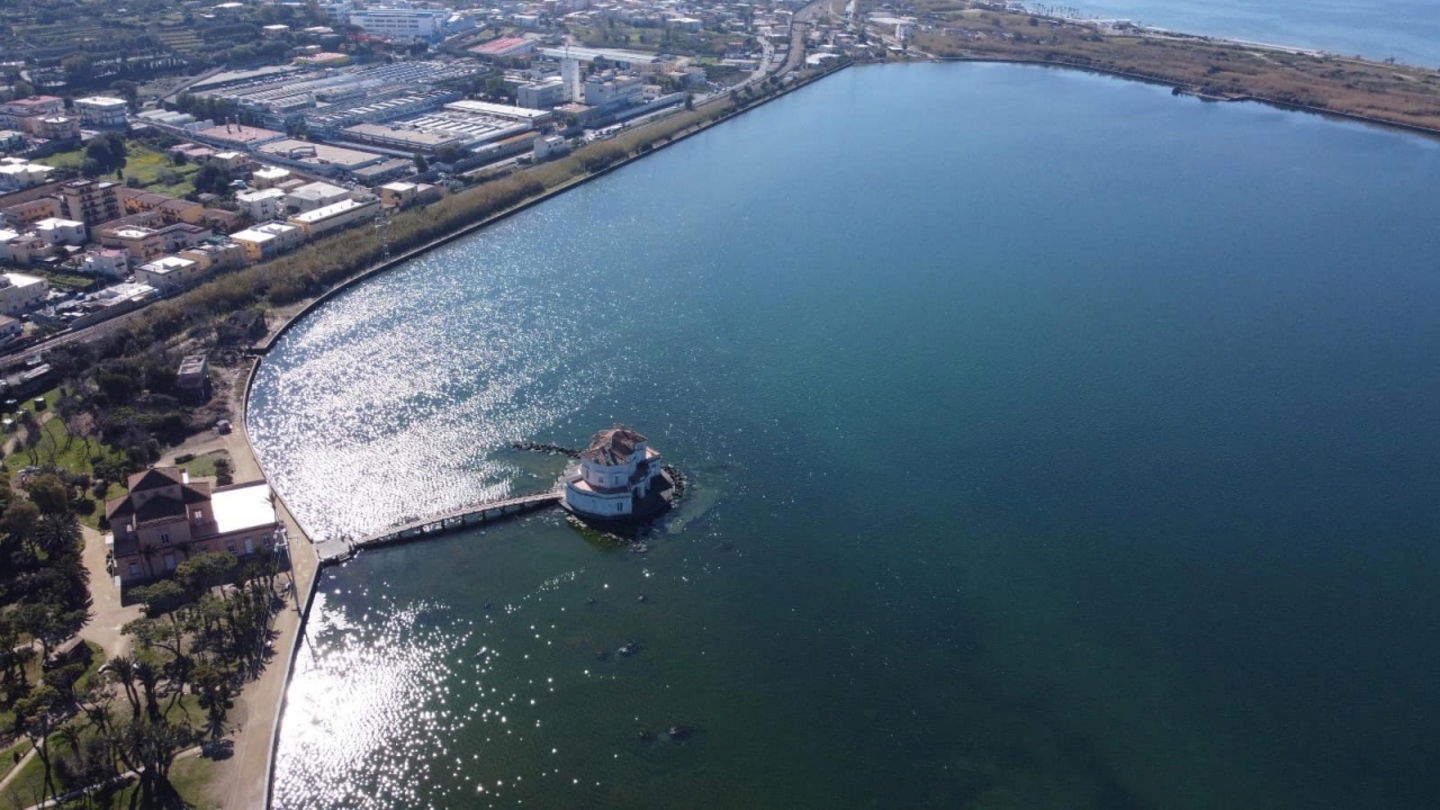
(108, 615)
(241, 782)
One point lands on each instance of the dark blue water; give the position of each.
(1057, 443)
(1407, 30)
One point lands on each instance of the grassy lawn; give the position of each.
(203, 466)
(9, 754)
(52, 450)
(69, 281)
(190, 774)
(141, 163)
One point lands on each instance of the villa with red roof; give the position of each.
(166, 518)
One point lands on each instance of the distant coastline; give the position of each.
(1303, 79)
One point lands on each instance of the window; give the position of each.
(169, 562)
(134, 569)
(199, 514)
(230, 546)
(164, 537)
(249, 545)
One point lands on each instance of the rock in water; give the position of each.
(680, 733)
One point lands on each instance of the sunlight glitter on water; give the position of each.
(352, 706)
(390, 404)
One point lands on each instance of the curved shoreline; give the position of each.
(306, 600)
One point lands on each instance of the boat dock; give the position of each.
(339, 550)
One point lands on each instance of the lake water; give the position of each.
(1408, 30)
(1056, 442)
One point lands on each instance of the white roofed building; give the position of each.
(616, 471)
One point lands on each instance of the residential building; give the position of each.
(59, 128)
(166, 518)
(90, 201)
(102, 112)
(20, 292)
(24, 249)
(315, 195)
(59, 231)
(30, 212)
(106, 262)
(338, 215)
(172, 209)
(169, 273)
(145, 244)
(26, 114)
(11, 140)
(615, 472)
(268, 239)
(230, 161)
(18, 173)
(193, 379)
(215, 255)
(401, 195)
(261, 203)
(269, 176)
(336, 11)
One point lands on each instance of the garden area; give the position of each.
(143, 167)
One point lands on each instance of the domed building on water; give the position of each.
(619, 477)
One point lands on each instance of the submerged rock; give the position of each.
(629, 648)
(680, 733)
(641, 598)
(647, 736)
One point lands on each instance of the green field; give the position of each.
(141, 163)
(203, 466)
(57, 448)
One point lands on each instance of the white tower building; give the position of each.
(570, 75)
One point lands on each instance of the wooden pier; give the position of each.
(337, 551)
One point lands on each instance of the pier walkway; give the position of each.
(340, 550)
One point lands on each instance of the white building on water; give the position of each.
(616, 472)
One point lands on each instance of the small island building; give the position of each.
(618, 473)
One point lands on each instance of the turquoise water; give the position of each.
(1056, 443)
(1408, 30)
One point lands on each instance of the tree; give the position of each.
(213, 687)
(37, 715)
(48, 494)
(212, 179)
(20, 518)
(421, 166)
